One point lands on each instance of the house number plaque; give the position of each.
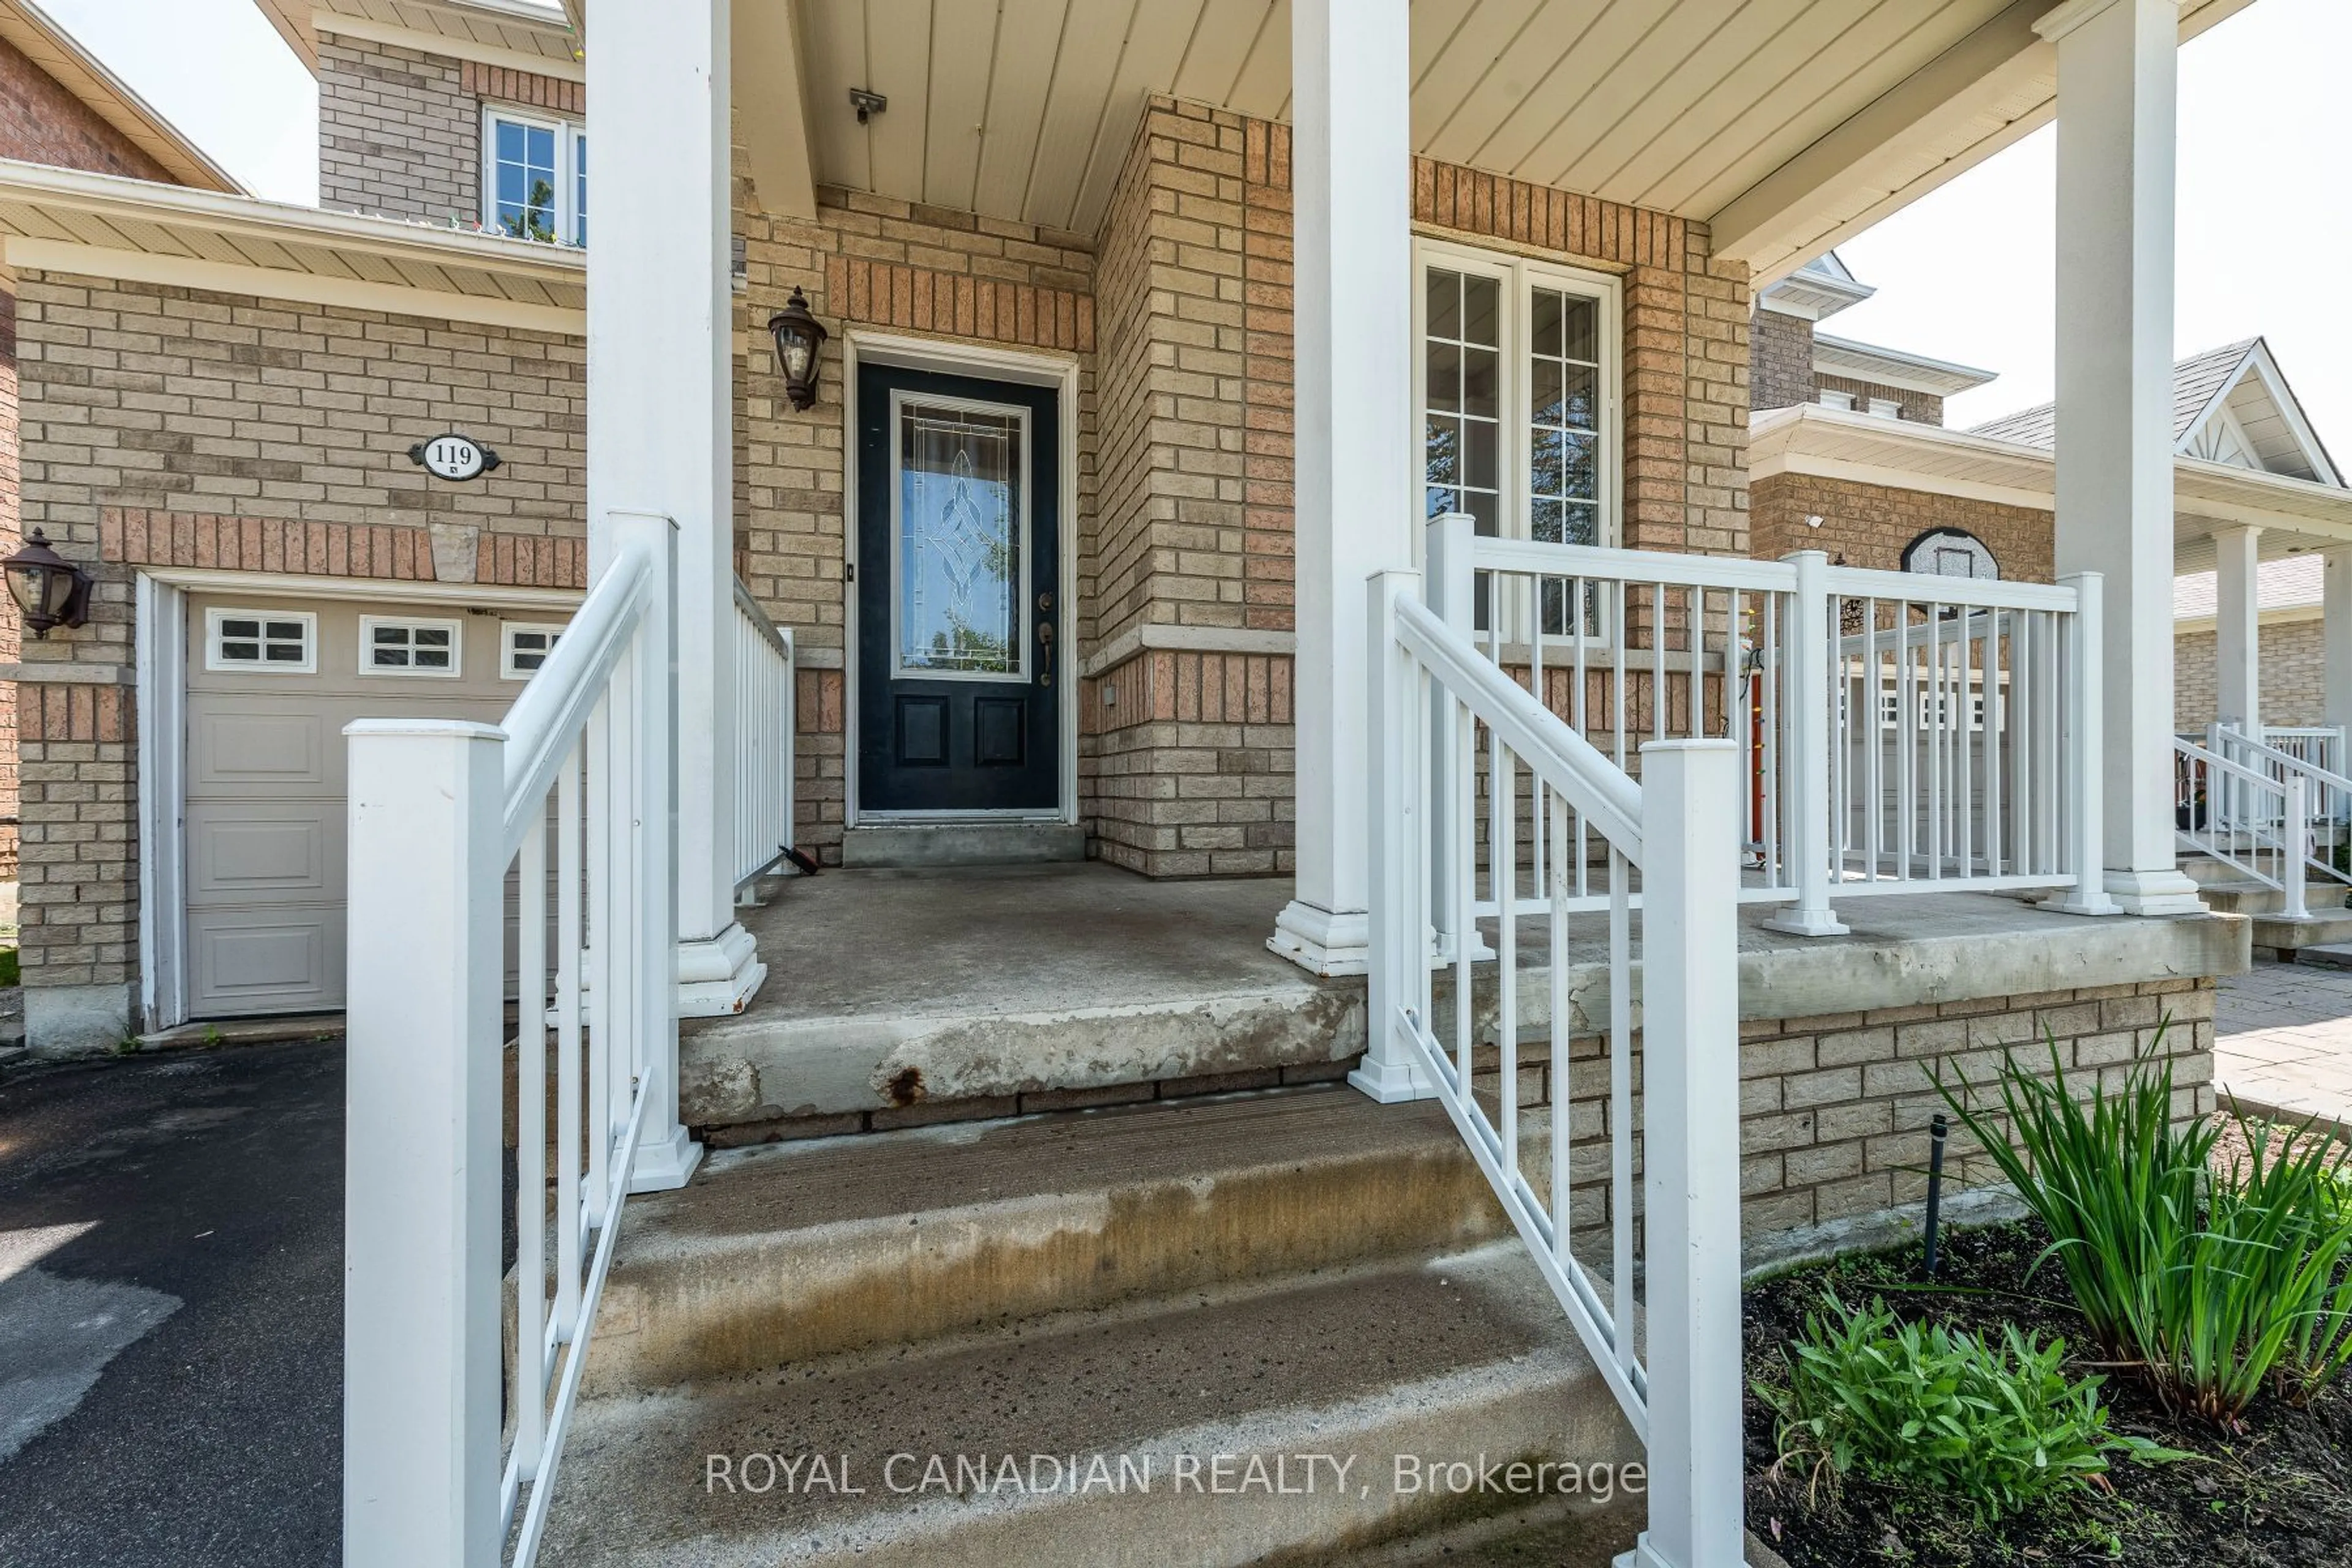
(454, 457)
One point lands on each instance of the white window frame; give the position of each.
(457, 630)
(214, 662)
(507, 668)
(1829, 397)
(1520, 276)
(569, 136)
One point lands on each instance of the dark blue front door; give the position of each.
(959, 543)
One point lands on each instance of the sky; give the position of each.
(1965, 274)
(2264, 229)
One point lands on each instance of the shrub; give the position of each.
(2211, 1289)
(1998, 1427)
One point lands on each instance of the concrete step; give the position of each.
(2244, 896)
(782, 1253)
(2276, 937)
(1445, 1360)
(963, 844)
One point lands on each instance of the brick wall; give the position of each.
(1834, 1109)
(1782, 373)
(165, 424)
(1869, 525)
(42, 122)
(2293, 671)
(399, 132)
(1919, 407)
(11, 627)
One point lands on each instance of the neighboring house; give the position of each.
(1158, 336)
(1796, 362)
(2292, 595)
(59, 105)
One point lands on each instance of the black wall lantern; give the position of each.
(799, 338)
(51, 590)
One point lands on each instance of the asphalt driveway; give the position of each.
(171, 1311)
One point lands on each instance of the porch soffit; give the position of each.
(1788, 125)
(2293, 514)
(523, 27)
(99, 225)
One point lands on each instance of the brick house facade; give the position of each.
(42, 120)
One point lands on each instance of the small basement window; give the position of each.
(282, 642)
(390, 646)
(523, 648)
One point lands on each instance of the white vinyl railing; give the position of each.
(2254, 820)
(571, 795)
(2326, 813)
(1440, 704)
(2320, 746)
(1894, 733)
(763, 740)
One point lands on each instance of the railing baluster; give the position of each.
(603, 989)
(1621, 1106)
(571, 1106)
(1502, 784)
(529, 1385)
(1561, 1024)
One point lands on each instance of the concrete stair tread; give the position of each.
(1451, 1357)
(781, 1253)
(902, 1176)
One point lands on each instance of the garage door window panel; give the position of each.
(277, 642)
(392, 645)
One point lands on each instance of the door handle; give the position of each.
(1044, 640)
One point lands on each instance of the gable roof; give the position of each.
(2230, 404)
(60, 57)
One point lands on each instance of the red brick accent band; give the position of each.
(817, 703)
(139, 536)
(524, 88)
(61, 712)
(1164, 685)
(889, 294)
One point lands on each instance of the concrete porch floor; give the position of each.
(899, 997)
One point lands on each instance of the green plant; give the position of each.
(1998, 1427)
(10, 973)
(2210, 1288)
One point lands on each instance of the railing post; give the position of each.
(1690, 1150)
(1448, 588)
(665, 1155)
(2084, 803)
(1810, 656)
(422, 1196)
(1399, 837)
(2291, 874)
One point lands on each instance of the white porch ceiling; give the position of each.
(1788, 123)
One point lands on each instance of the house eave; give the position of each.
(1894, 367)
(61, 56)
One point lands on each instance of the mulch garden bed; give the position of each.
(2278, 1495)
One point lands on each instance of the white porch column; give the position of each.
(2117, 69)
(2336, 636)
(660, 404)
(1351, 172)
(2237, 632)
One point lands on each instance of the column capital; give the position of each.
(2055, 25)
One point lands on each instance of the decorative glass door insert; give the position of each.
(958, 540)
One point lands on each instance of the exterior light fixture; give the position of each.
(800, 337)
(51, 590)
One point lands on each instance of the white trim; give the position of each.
(159, 638)
(1023, 672)
(370, 625)
(1884, 408)
(1057, 371)
(1894, 367)
(1519, 277)
(368, 590)
(29, 254)
(448, 46)
(1831, 398)
(1152, 635)
(507, 630)
(214, 662)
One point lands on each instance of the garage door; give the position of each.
(272, 683)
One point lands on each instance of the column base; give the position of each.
(719, 975)
(2080, 900)
(664, 1163)
(2166, 892)
(1807, 922)
(1644, 1555)
(1323, 942)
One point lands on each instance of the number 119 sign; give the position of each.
(454, 457)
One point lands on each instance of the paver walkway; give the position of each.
(2282, 1038)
